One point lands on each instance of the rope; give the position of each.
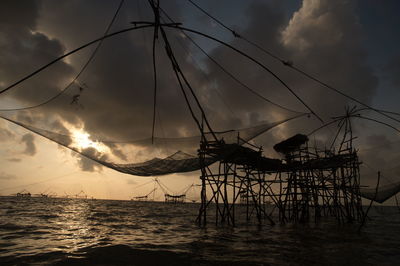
(155, 8)
(384, 113)
(215, 19)
(323, 126)
(79, 73)
(39, 182)
(370, 204)
(137, 25)
(397, 202)
(378, 146)
(252, 59)
(290, 65)
(355, 116)
(379, 122)
(201, 70)
(163, 187)
(230, 74)
(179, 74)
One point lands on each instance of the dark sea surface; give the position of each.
(40, 231)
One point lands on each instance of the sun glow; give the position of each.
(82, 141)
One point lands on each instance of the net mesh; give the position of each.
(384, 192)
(183, 158)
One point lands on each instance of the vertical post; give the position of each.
(202, 218)
(247, 195)
(234, 195)
(370, 204)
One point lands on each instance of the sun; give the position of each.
(82, 140)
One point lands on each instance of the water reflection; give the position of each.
(72, 228)
(76, 227)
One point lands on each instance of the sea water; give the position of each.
(54, 231)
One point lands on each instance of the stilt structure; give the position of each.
(320, 183)
(23, 194)
(306, 185)
(238, 180)
(145, 197)
(175, 198)
(81, 195)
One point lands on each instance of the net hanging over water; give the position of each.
(171, 155)
(180, 154)
(384, 192)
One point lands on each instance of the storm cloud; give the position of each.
(88, 165)
(393, 71)
(324, 38)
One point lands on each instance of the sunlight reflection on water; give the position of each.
(75, 228)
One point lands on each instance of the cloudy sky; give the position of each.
(351, 45)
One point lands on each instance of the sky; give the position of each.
(351, 45)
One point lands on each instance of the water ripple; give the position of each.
(68, 231)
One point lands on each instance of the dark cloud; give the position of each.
(86, 164)
(30, 147)
(379, 141)
(392, 70)
(21, 13)
(24, 49)
(323, 38)
(378, 153)
(119, 94)
(117, 152)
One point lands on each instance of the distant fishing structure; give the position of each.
(180, 197)
(307, 184)
(81, 195)
(169, 195)
(145, 197)
(26, 194)
(23, 194)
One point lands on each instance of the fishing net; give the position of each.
(384, 192)
(80, 106)
(124, 156)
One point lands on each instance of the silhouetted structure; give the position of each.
(307, 183)
(81, 195)
(23, 194)
(145, 197)
(175, 198)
